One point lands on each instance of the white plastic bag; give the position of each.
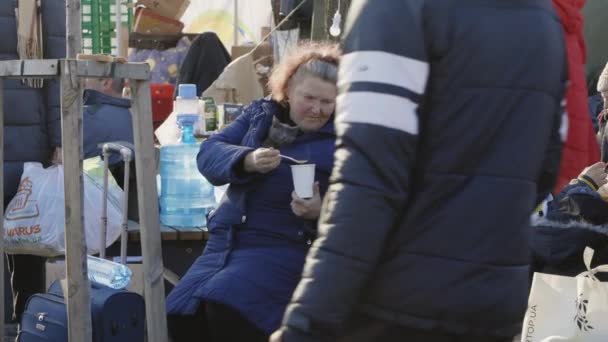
(34, 220)
(573, 309)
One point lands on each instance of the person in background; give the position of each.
(602, 89)
(32, 126)
(580, 148)
(261, 231)
(576, 219)
(446, 143)
(106, 116)
(596, 105)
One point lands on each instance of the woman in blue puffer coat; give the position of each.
(261, 231)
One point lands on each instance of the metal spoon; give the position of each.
(295, 161)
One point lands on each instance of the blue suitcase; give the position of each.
(117, 316)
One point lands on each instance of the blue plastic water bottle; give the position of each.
(185, 193)
(108, 273)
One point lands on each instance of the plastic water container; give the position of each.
(185, 194)
(108, 273)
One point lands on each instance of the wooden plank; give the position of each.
(29, 68)
(73, 37)
(2, 303)
(133, 71)
(79, 325)
(86, 68)
(166, 233)
(190, 233)
(145, 160)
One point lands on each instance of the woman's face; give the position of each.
(312, 102)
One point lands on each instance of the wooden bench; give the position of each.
(171, 233)
(180, 248)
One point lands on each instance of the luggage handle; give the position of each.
(127, 156)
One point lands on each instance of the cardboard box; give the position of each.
(173, 9)
(149, 22)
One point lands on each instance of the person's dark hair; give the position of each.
(308, 59)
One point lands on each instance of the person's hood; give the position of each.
(555, 242)
(93, 97)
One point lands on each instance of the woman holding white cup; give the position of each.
(261, 231)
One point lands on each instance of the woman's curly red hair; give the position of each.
(282, 75)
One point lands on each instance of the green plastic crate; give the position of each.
(98, 23)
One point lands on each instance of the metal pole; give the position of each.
(236, 22)
(319, 30)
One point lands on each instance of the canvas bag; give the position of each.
(573, 309)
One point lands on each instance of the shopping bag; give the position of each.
(34, 220)
(573, 309)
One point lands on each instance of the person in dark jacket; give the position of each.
(106, 116)
(596, 105)
(206, 59)
(602, 136)
(261, 231)
(32, 129)
(575, 219)
(446, 141)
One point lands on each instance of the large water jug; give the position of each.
(185, 194)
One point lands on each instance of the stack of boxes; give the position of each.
(160, 16)
(99, 23)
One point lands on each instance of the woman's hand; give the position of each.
(595, 173)
(276, 336)
(309, 209)
(262, 160)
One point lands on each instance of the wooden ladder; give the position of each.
(70, 72)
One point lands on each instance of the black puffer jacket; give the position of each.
(31, 116)
(448, 128)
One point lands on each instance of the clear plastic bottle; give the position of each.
(185, 194)
(108, 273)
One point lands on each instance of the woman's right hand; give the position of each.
(262, 160)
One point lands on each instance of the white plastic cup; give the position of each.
(303, 179)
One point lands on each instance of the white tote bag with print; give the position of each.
(573, 309)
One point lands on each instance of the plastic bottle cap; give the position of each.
(186, 90)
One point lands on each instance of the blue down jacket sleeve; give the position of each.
(382, 81)
(221, 156)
